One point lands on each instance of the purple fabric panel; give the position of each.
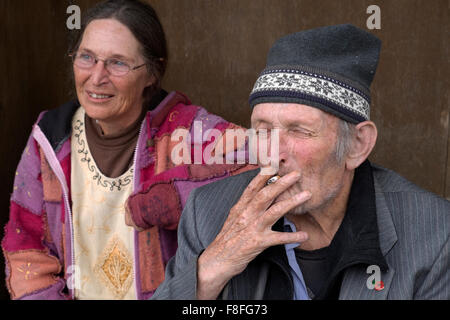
(142, 160)
(64, 151)
(28, 191)
(185, 187)
(208, 121)
(53, 210)
(53, 292)
(143, 157)
(147, 295)
(169, 244)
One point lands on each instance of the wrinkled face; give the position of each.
(107, 98)
(307, 143)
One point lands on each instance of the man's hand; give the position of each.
(247, 232)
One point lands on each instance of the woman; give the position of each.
(93, 168)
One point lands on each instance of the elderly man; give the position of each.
(333, 226)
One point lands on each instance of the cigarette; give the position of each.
(272, 180)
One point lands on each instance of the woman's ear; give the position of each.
(363, 143)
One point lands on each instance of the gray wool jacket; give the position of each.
(413, 233)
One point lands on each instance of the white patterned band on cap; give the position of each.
(331, 92)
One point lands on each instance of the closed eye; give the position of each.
(301, 132)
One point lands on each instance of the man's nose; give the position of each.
(283, 148)
(99, 74)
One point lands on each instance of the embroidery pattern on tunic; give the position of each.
(83, 149)
(114, 267)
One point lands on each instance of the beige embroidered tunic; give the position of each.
(103, 243)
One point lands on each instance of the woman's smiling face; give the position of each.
(116, 102)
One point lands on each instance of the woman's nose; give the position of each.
(99, 74)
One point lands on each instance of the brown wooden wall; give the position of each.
(217, 49)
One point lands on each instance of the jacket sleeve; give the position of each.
(181, 272)
(436, 285)
(31, 267)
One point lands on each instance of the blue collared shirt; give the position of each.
(300, 292)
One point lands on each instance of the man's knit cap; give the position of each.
(330, 68)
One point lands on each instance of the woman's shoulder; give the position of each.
(177, 111)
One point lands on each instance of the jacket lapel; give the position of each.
(354, 283)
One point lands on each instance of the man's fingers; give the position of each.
(254, 186)
(269, 193)
(278, 238)
(279, 209)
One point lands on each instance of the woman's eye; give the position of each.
(86, 57)
(118, 63)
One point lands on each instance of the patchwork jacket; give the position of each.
(38, 242)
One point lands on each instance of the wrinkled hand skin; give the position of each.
(247, 232)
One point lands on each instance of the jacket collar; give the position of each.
(354, 284)
(387, 233)
(56, 124)
(357, 240)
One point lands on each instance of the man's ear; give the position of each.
(362, 145)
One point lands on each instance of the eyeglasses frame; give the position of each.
(96, 60)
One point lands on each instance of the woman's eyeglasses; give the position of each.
(115, 67)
